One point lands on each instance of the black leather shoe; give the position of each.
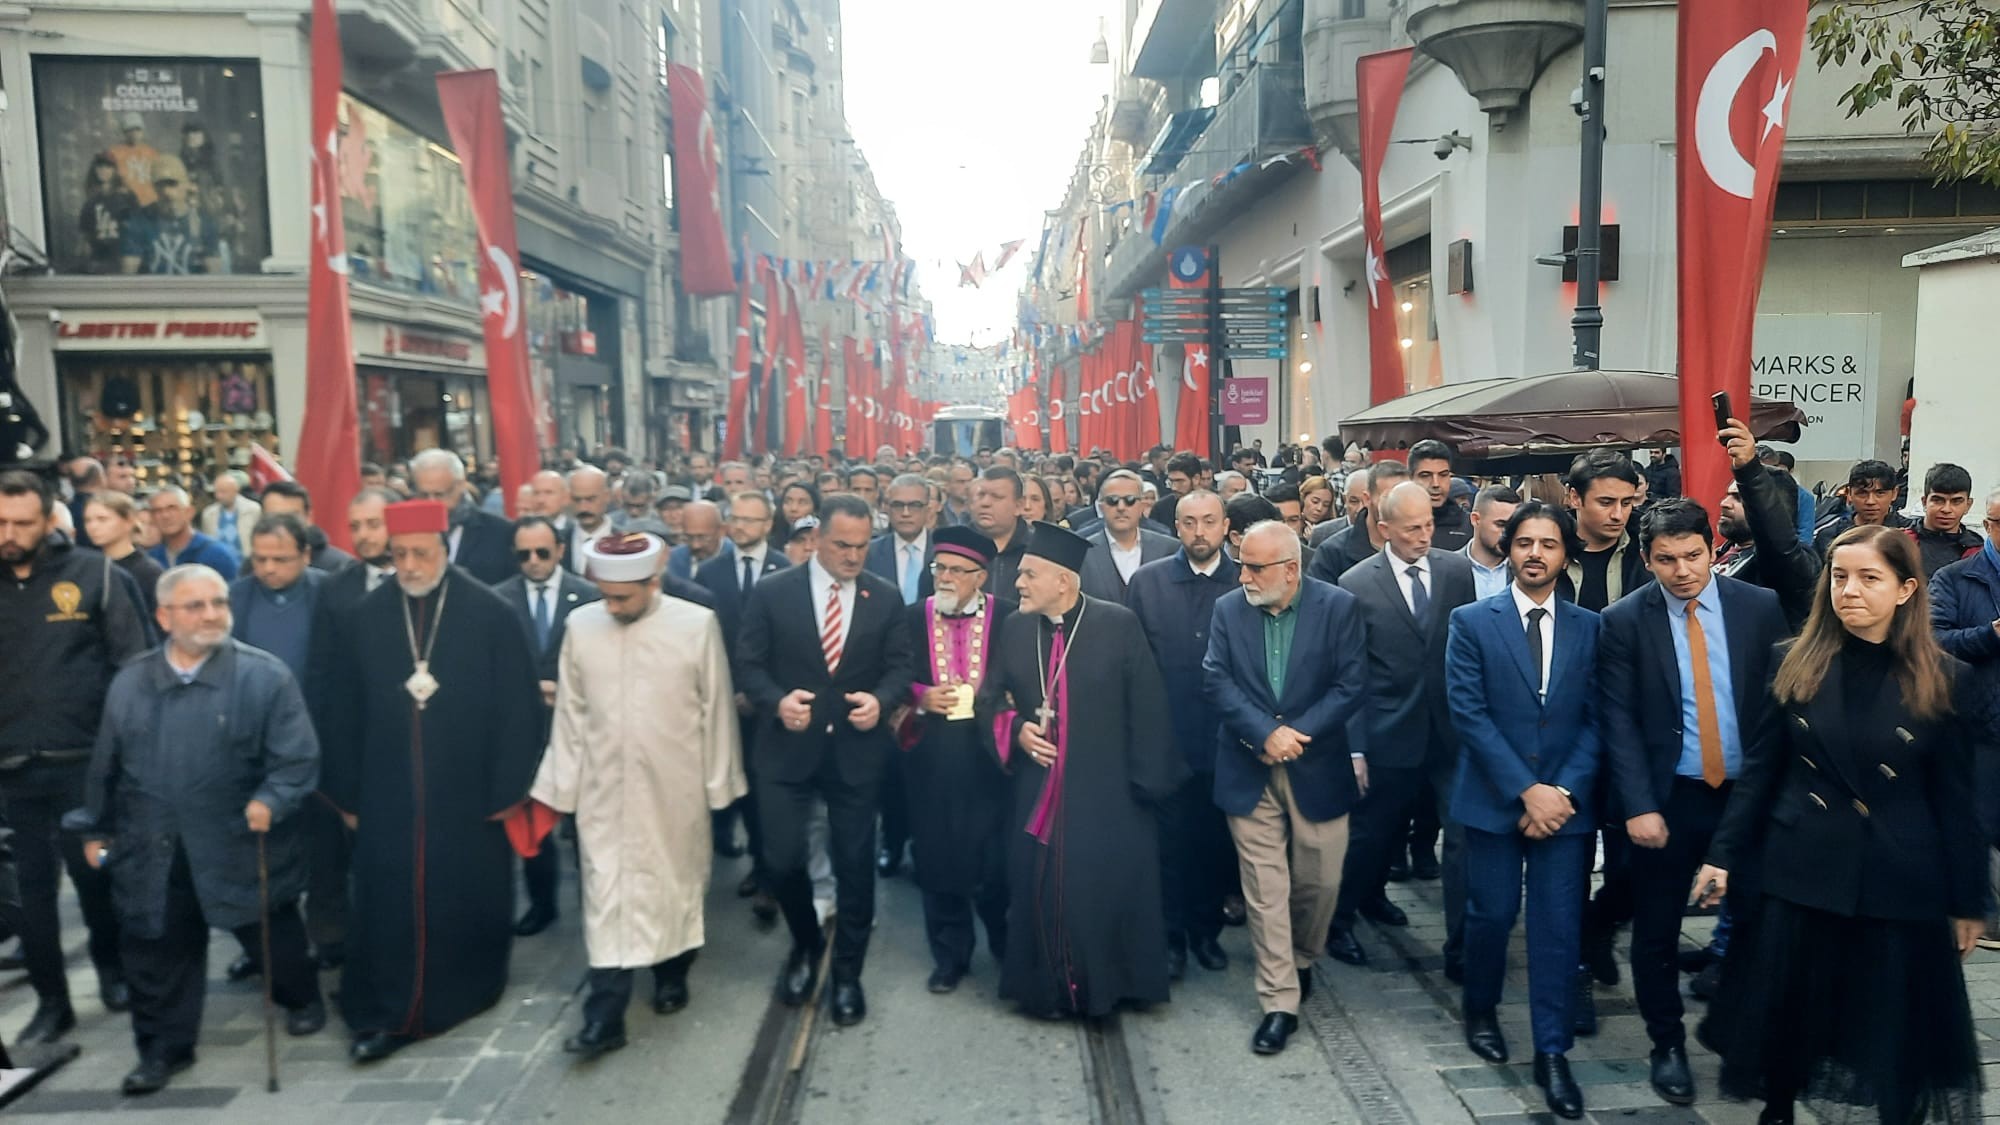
(1424, 864)
(1599, 957)
(1234, 913)
(51, 1022)
(1672, 1079)
(748, 886)
(1565, 1097)
(1385, 912)
(537, 919)
(1707, 983)
(944, 980)
(1776, 1115)
(849, 1005)
(152, 1075)
(1176, 962)
(307, 1020)
(1695, 960)
(801, 972)
(595, 1039)
(1399, 872)
(1583, 1005)
(764, 909)
(1341, 946)
(726, 845)
(116, 994)
(887, 863)
(244, 968)
(670, 996)
(1208, 954)
(374, 1046)
(1482, 1034)
(1454, 969)
(1272, 1033)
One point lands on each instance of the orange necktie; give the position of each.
(1706, 724)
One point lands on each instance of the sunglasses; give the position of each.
(1122, 501)
(543, 553)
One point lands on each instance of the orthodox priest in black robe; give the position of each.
(1091, 754)
(958, 796)
(434, 736)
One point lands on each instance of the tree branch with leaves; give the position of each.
(1937, 62)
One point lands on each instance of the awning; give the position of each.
(1176, 137)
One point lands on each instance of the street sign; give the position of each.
(1234, 352)
(1257, 292)
(1187, 267)
(1246, 400)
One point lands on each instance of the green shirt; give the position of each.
(1278, 630)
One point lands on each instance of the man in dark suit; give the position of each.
(729, 578)
(1686, 658)
(1284, 672)
(1174, 600)
(1407, 593)
(1521, 677)
(901, 554)
(824, 658)
(480, 542)
(1355, 543)
(542, 594)
(1123, 546)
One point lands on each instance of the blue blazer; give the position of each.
(1509, 738)
(1325, 682)
(722, 576)
(882, 561)
(681, 564)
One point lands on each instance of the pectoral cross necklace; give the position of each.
(1046, 713)
(422, 685)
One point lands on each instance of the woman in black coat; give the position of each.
(1861, 869)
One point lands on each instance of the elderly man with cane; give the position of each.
(204, 754)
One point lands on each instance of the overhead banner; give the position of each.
(1379, 79)
(1737, 63)
(329, 457)
(705, 269)
(471, 103)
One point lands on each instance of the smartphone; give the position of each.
(1720, 400)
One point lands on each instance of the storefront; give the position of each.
(690, 405)
(180, 393)
(574, 337)
(421, 388)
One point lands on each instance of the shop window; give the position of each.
(403, 202)
(178, 420)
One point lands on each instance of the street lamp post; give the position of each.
(1588, 320)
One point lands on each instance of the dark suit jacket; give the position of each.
(681, 564)
(570, 592)
(1409, 719)
(1100, 578)
(1509, 739)
(688, 592)
(1641, 717)
(1175, 607)
(882, 562)
(1324, 682)
(1869, 819)
(778, 651)
(486, 548)
(722, 577)
(1349, 547)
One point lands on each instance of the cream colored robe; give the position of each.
(645, 744)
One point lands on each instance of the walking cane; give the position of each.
(264, 938)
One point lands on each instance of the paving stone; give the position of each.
(427, 1092)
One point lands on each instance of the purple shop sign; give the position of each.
(1246, 400)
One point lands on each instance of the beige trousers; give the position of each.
(1291, 879)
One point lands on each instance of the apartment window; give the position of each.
(667, 188)
(1353, 9)
(590, 154)
(635, 173)
(663, 50)
(538, 97)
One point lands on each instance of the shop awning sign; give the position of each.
(162, 330)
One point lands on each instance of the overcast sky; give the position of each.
(972, 115)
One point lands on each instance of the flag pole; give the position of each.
(1588, 321)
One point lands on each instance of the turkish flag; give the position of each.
(1379, 80)
(705, 268)
(822, 418)
(798, 392)
(265, 469)
(329, 455)
(471, 103)
(856, 445)
(1738, 61)
(738, 418)
(1024, 414)
(1191, 421)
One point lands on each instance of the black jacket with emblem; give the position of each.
(67, 627)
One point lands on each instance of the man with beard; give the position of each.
(957, 795)
(197, 733)
(1092, 759)
(1174, 600)
(290, 498)
(1763, 546)
(481, 543)
(433, 736)
(645, 746)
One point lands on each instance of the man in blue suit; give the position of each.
(1521, 679)
(1285, 672)
(901, 554)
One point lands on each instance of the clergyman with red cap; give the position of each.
(432, 735)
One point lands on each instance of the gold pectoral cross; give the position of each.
(421, 685)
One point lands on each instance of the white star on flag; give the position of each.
(492, 302)
(1198, 357)
(1376, 276)
(1774, 110)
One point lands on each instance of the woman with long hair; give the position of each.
(796, 501)
(1316, 500)
(1037, 502)
(1860, 872)
(111, 520)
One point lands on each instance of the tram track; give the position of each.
(771, 1090)
(1108, 1073)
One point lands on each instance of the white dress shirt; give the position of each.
(1126, 559)
(1401, 570)
(820, 580)
(579, 538)
(756, 555)
(1522, 604)
(1214, 561)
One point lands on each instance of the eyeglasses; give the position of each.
(197, 607)
(1122, 501)
(955, 571)
(1259, 568)
(542, 553)
(908, 505)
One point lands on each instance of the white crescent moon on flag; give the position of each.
(1713, 142)
(511, 282)
(1056, 411)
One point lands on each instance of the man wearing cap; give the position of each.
(957, 794)
(135, 159)
(645, 746)
(432, 733)
(1090, 746)
(171, 236)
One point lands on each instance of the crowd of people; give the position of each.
(1100, 709)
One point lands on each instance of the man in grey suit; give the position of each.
(1407, 592)
(1126, 546)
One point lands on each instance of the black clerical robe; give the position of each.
(432, 923)
(1083, 857)
(958, 796)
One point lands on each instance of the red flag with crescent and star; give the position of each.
(822, 418)
(470, 100)
(329, 455)
(1191, 416)
(1379, 79)
(705, 269)
(1738, 61)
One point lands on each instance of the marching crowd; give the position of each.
(1100, 709)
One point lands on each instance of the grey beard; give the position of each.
(414, 589)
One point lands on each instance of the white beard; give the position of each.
(1258, 597)
(946, 601)
(419, 590)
